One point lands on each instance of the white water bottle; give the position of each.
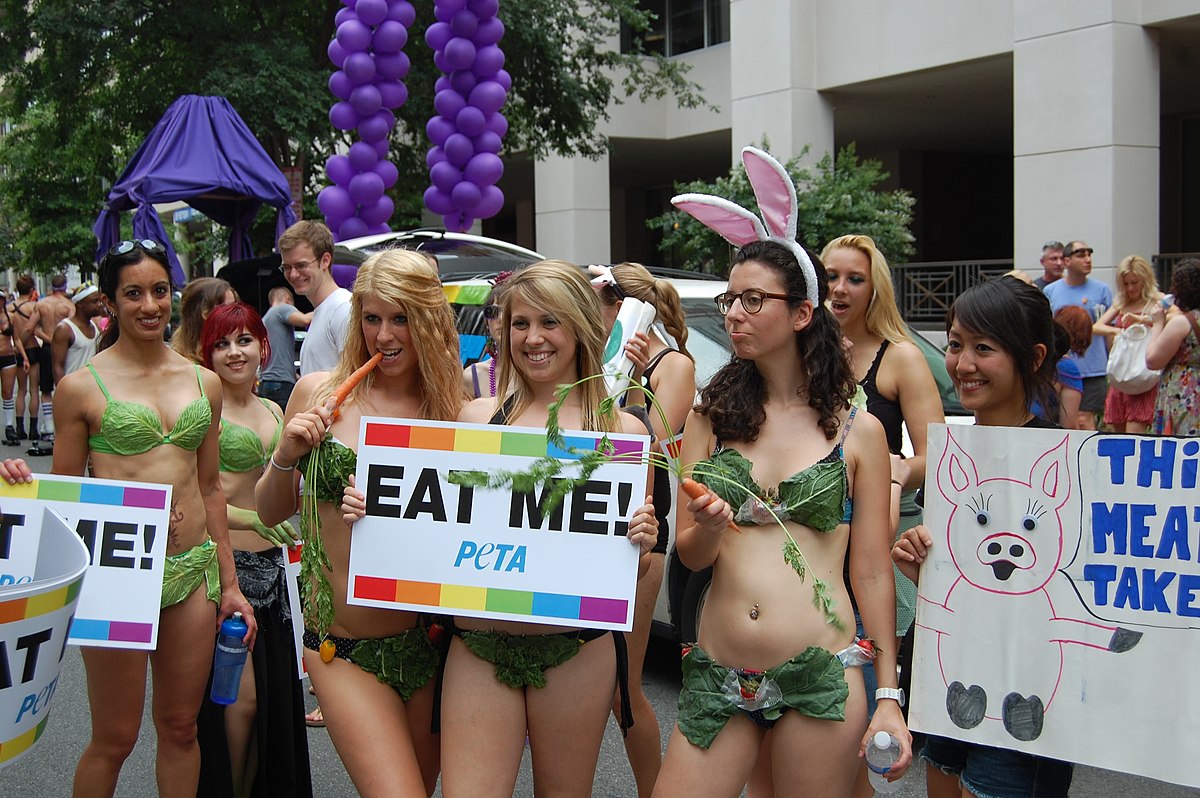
(882, 752)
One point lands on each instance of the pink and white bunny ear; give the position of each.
(734, 223)
(774, 190)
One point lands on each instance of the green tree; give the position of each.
(833, 198)
(83, 81)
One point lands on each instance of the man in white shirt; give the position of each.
(306, 251)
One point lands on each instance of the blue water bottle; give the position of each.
(228, 660)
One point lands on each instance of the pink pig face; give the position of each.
(1005, 535)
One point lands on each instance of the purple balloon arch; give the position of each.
(368, 49)
(464, 165)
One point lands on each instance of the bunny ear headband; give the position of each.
(776, 197)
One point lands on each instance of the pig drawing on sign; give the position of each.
(1005, 538)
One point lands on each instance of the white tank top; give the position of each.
(82, 348)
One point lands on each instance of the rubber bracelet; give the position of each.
(278, 467)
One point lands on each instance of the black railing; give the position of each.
(925, 291)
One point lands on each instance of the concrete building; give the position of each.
(1012, 122)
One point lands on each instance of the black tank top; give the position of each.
(887, 411)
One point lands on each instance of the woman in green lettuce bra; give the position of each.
(261, 738)
(776, 441)
(373, 668)
(506, 679)
(140, 411)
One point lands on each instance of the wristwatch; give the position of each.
(895, 693)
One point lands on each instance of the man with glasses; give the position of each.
(1077, 288)
(306, 252)
(1052, 264)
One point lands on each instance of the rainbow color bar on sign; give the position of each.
(116, 631)
(42, 604)
(86, 493)
(494, 441)
(490, 599)
(11, 749)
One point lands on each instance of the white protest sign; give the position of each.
(291, 572)
(124, 527)
(432, 546)
(1058, 609)
(34, 618)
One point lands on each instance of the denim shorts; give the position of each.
(998, 772)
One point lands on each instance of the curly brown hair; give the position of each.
(735, 397)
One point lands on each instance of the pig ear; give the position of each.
(734, 223)
(1051, 475)
(774, 191)
(956, 472)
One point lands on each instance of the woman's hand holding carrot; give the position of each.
(302, 433)
(709, 510)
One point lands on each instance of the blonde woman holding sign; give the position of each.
(553, 335)
(373, 668)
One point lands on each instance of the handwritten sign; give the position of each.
(432, 546)
(1062, 595)
(123, 525)
(34, 619)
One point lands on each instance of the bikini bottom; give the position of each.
(812, 683)
(183, 573)
(405, 662)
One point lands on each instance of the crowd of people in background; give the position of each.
(823, 379)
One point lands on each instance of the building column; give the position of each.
(1086, 133)
(573, 219)
(773, 78)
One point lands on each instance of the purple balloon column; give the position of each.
(466, 133)
(368, 51)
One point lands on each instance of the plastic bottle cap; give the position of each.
(882, 739)
(238, 616)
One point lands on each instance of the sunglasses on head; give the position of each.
(491, 312)
(125, 247)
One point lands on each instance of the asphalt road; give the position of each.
(47, 769)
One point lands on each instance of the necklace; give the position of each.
(492, 375)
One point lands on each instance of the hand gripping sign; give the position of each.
(34, 619)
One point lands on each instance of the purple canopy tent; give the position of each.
(201, 153)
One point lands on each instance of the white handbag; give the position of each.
(1127, 370)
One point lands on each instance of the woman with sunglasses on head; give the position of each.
(1002, 349)
(139, 409)
(552, 336)
(373, 668)
(770, 655)
(260, 739)
(667, 369)
(481, 375)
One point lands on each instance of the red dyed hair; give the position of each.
(227, 319)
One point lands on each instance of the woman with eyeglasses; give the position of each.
(374, 669)
(140, 411)
(667, 369)
(776, 441)
(260, 739)
(479, 378)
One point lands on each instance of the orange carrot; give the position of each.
(694, 489)
(343, 390)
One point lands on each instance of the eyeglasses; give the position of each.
(125, 247)
(1080, 251)
(302, 266)
(491, 312)
(752, 300)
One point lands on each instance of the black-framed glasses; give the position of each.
(302, 266)
(125, 247)
(1080, 251)
(752, 300)
(491, 312)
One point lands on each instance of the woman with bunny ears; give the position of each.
(779, 415)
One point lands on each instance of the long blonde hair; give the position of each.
(406, 279)
(635, 281)
(883, 317)
(560, 289)
(1138, 267)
